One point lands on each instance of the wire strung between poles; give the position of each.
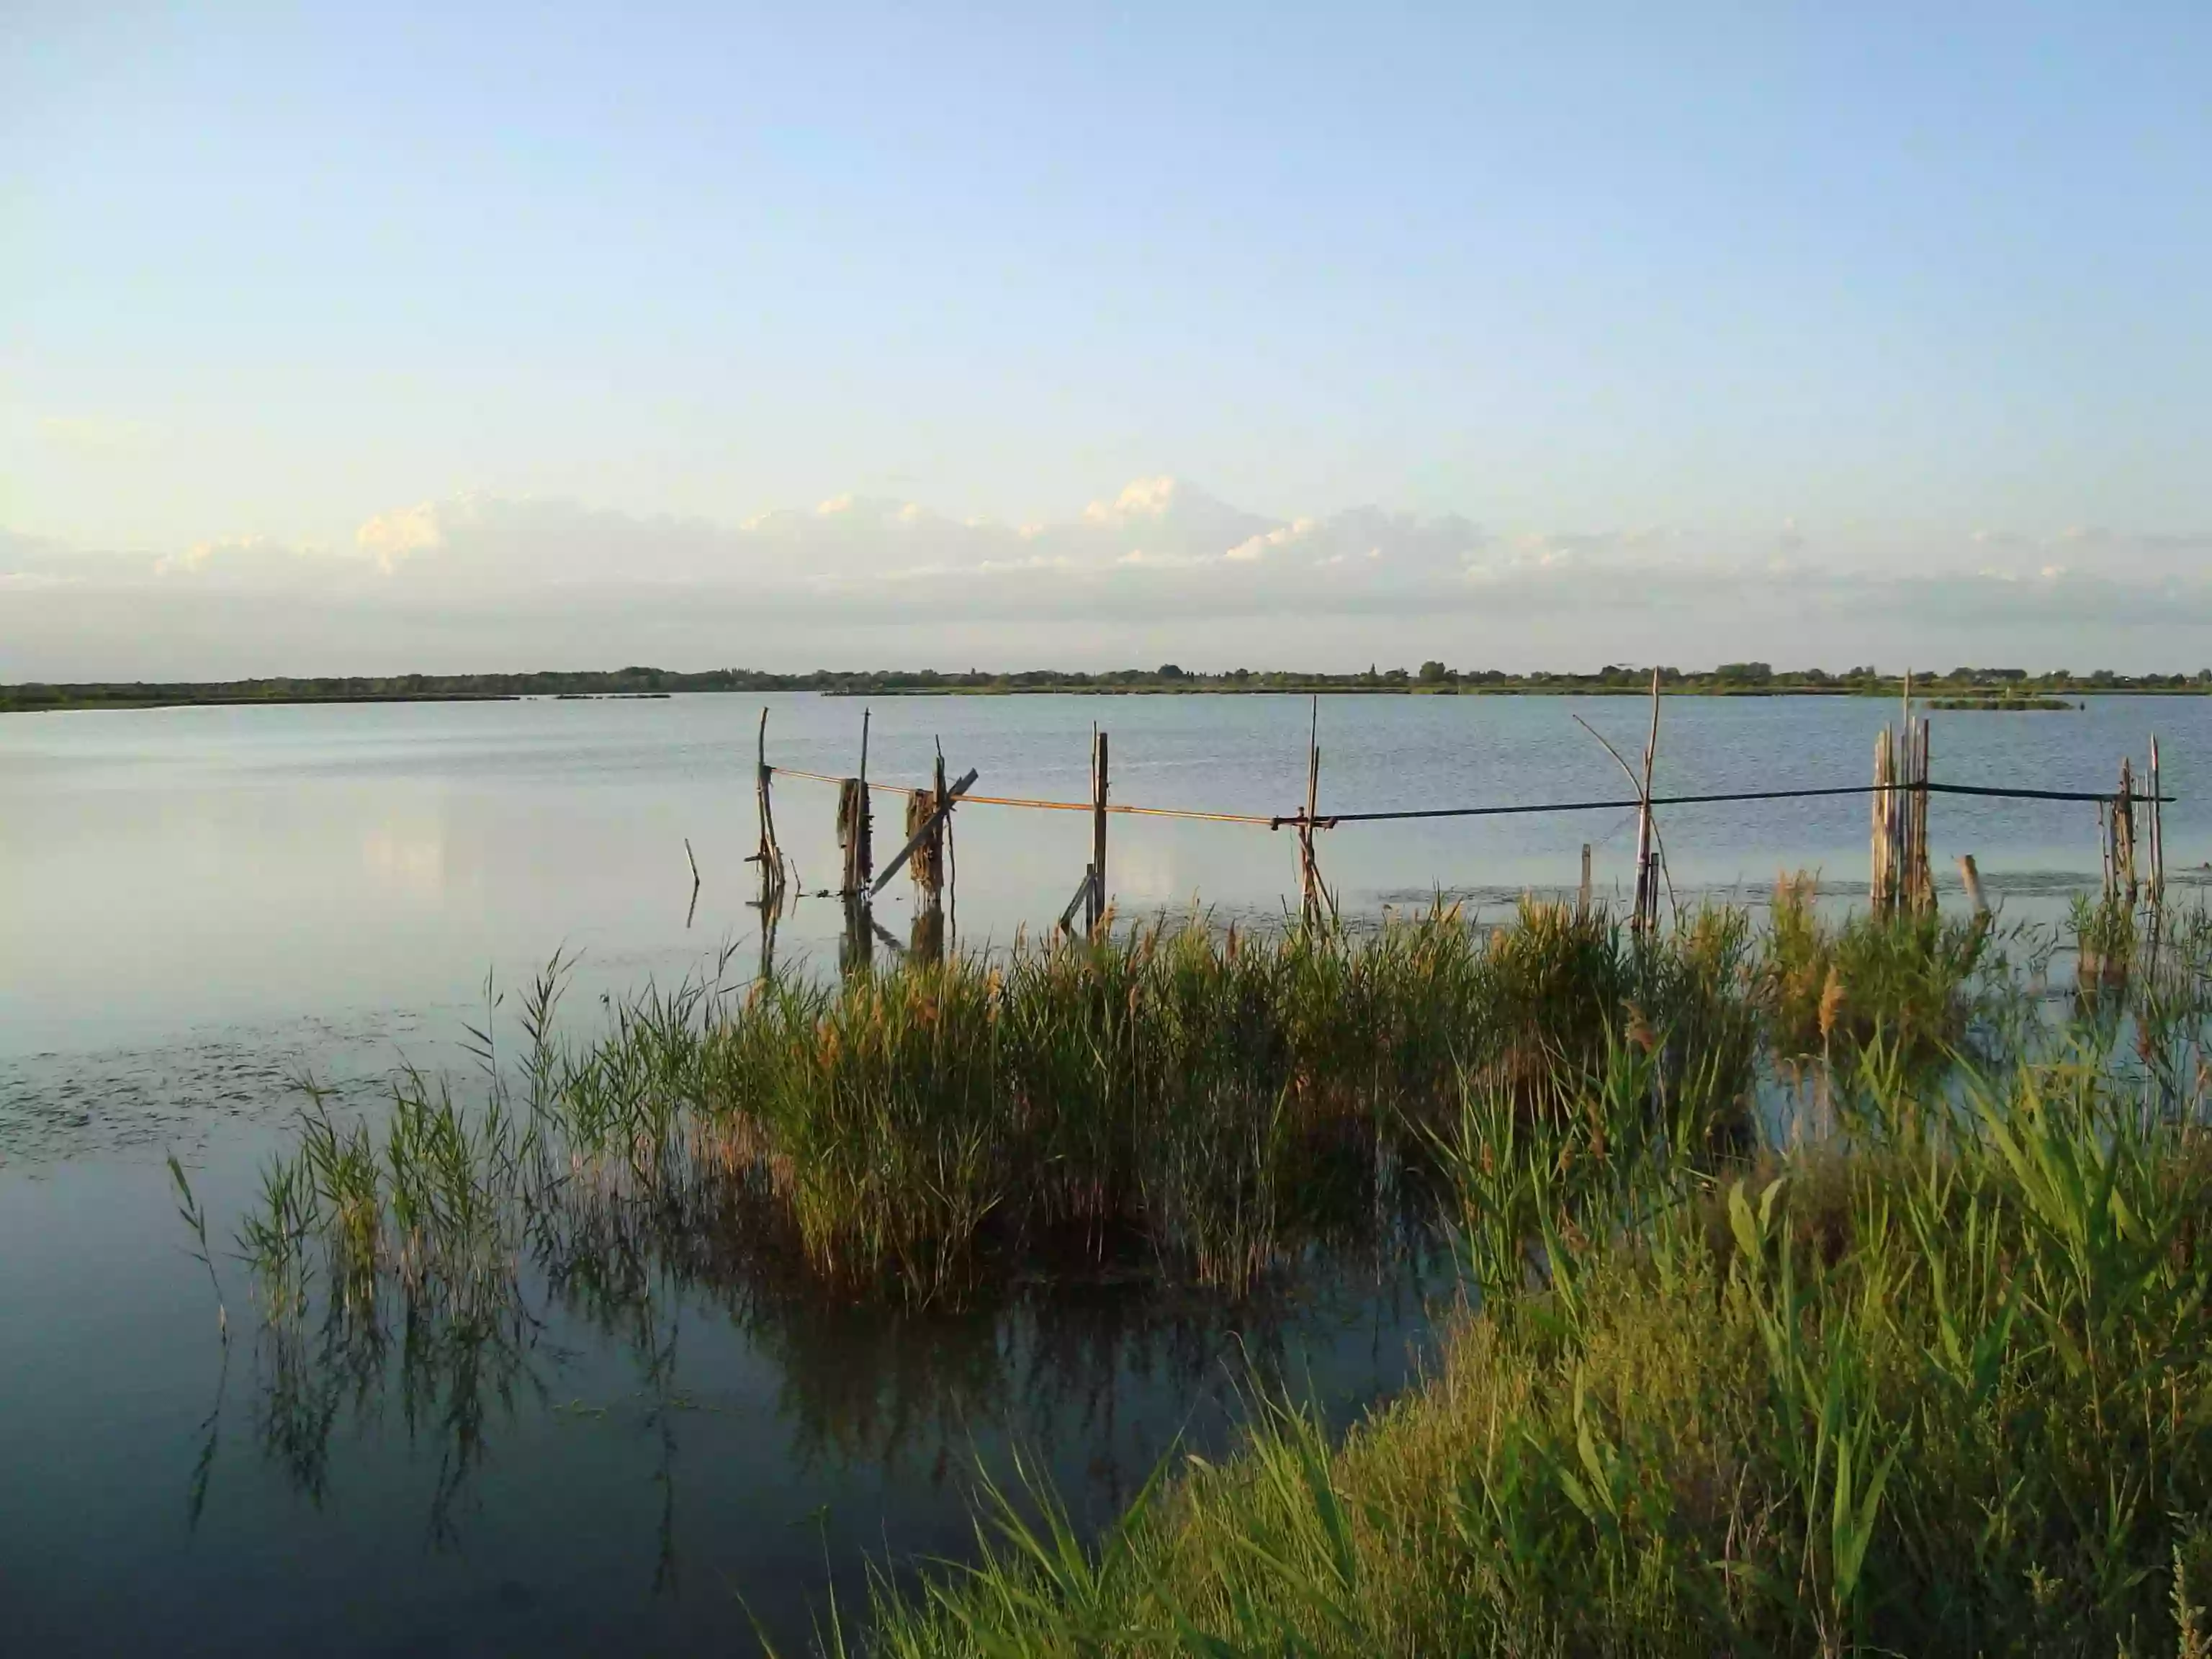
(1331, 820)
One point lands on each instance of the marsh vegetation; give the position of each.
(1830, 1284)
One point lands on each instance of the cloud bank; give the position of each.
(1160, 569)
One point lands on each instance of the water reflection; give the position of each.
(625, 1308)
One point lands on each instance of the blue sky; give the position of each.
(1867, 294)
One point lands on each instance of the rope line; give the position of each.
(1330, 820)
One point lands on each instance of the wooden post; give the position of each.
(864, 861)
(2157, 828)
(2104, 845)
(1922, 877)
(927, 811)
(770, 855)
(2123, 830)
(1973, 877)
(852, 813)
(1583, 902)
(1096, 910)
(926, 863)
(1880, 886)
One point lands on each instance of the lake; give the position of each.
(199, 905)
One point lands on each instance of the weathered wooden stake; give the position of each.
(936, 806)
(1094, 912)
(1918, 873)
(1973, 877)
(770, 855)
(864, 862)
(2123, 830)
(1583, 900)
(1881, 887)
(852, 811)
(2157, 828)
(926, 829)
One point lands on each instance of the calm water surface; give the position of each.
(196, 905)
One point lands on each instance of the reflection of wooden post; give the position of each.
(926, 940)
(856, 949)
(1096, 911)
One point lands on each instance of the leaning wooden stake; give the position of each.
(1647, 882)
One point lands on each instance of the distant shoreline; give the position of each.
(1990, 688)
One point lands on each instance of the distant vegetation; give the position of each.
(1959, 687)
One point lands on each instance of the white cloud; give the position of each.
(1161, 554)
(390, 538)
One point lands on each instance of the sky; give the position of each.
(376, 338)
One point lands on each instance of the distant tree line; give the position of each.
(1432, 677)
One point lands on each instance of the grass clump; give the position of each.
(1222, 1099)
(1830, 988)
